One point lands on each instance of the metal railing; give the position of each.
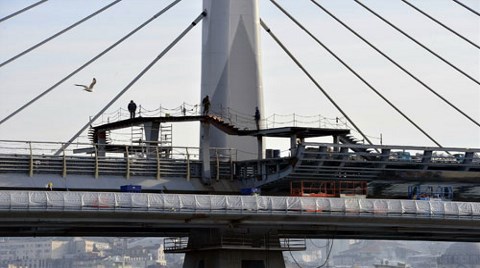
(316, 160)
(237, 241)
(239, 119)
(171, 244)
(353, 161)
(117, 160)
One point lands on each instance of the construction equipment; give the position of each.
(430, 192)
(334, 188)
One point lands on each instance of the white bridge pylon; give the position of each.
(231, 67)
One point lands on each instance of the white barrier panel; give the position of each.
(35, 200)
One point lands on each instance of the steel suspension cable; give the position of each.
(396, 64)
(467, 7)
(90, 61)
(441, 24)
(328, 254)
(266, 28)
(356, 74)
(317, 246)
(142, 73)
(417, 42)
(22, 10)
(59, 33)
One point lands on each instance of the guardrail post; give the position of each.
(231, 164)
(205, 152)
(64, 173)
(218, 165)
(96, 161)
(128, 162)
(158, 163)
(31, 160)
(188, 164)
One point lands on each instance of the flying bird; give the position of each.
(90, 87)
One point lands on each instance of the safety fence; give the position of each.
(239, 119)
(237, 241)
(312, 161)
(83, 159)
(230, 204)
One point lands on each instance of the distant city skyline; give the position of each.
(148, 252)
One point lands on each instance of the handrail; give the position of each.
(239, 119)
(321, 160)
(46, 148)
(399, 147)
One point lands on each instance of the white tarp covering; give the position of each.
(35, 200)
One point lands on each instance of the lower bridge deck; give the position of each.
(51, 213)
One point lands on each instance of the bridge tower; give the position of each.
(231, 78)
(231, 69)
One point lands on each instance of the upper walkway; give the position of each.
(156, 165)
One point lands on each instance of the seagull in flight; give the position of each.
(90, 87)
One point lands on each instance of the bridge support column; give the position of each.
(151, 136)
(336, 140)
(216, 248)
(205, 152)
(101, 141)
(260, 147)
(293, 144)
(262, 173)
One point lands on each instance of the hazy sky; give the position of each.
(176, 77)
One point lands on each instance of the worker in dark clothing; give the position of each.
(132, 107)
(206, 105)
(257, 117)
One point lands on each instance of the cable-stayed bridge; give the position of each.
(221, 165)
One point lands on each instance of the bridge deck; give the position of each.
(87, 213)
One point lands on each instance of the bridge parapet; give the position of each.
(312, 161)
(421, 154)
(231, 204)
(121, 160)
(332, 161)
(50, 213)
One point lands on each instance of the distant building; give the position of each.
(38, 253)
(465, 255)
(148, 250)
(87, 246)
(387, 264)
(423, 261)
(369, 253)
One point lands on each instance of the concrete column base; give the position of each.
(217, 248)
(234, 258)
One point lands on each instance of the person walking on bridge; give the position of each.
(132, 108)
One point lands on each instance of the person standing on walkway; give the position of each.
(206, 105)
(257, 118)
(132, 108)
